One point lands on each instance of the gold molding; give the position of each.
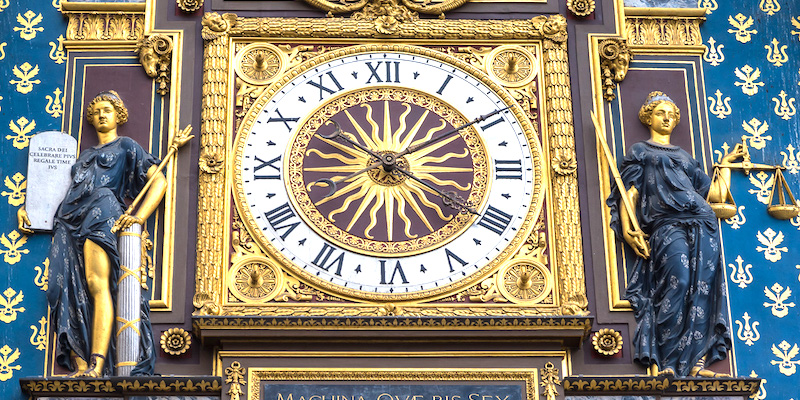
(660, 31)
(104, 26)
(664, 12)
(221, 32)
(255, 376)
(101, 7)
(668, 386)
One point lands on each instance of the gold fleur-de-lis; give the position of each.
(13, 243)
(778, 296)
(776, 54)
(56, 4)
(749, 76)
(41, 274)
(763, 183)
(8, 305)
(4, 4)
(709, 5)
(769, 6)
(740, 274)
(796, 23)
(8, 356)
(737, 220)
(28, 21)
(713, 54)
(54, 106)
(39, 336)
(762, 389)
(748, 333)
(720, 107)
(741, 24)
(21, 129)
(796, 222)
(784, 109)
(756, 129)
(57, 52)
(719, 153)
(771, 240)
(786, 365)
(791, 160)
(17, 185)
(25, 73)
(2, 51)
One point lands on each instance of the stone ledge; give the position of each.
(665, 386)
(121, 386)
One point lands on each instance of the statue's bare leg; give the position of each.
(78, 363)
(98, 271)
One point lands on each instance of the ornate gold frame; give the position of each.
(222, 33)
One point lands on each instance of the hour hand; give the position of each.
(332, 185)
(339, 134)
(450, 199)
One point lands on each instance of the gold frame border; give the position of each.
(558, 136)
(257, 375)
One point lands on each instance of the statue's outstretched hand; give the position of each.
(124, 222)
(739, 151)
(638, 241)
(22, 220)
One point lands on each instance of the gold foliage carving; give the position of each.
(235, 375)
(385, 7)
(189, 6)
(550, 380)
(663, 31)
(104, 26)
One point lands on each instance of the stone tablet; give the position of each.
(50, 158)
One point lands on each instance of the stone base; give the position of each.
(128, 388)
(657, 388)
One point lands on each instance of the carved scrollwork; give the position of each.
(155, 55)
(387, 15)
(615, 57)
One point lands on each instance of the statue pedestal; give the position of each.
(128, 388)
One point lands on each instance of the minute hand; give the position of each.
(412, 149)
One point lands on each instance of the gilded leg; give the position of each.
(98, 271)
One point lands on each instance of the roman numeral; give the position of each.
(323, 89)
(491, 124)
(452, 256)
(271, 164)
(505, 169)
(495, 220)
(280, 215)
(397, 269)
(327, 253)
(387, 77)
(446, 81)
(282, 119)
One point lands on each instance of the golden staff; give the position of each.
(612, 164)
(177, 142)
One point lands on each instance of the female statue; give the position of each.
(84, 261)
(677, 286)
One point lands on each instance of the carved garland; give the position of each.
(217, 30)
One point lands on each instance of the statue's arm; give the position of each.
(150, 202)
(22, 220)
(718, 192)
(636, 239)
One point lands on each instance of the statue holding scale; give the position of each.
(86, 260)
(660, 207)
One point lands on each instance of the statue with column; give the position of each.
(99, 315)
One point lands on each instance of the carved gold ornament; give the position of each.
(189, 6)
(512, 66)
(377, 8)
(175, 341)
(211, 162)
(259, 63)
(659, 30)
(525, 282)
(615, 58)
(255, 278)
(155, 55)
(581, 8)
(607, 342)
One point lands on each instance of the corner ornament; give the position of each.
(155, 55)
(615, 57)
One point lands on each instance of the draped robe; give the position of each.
(678, 295)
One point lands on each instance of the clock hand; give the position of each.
(332, 184)
(412, 149)
(451, 199)
(339, 134)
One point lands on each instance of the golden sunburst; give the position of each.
(383, 205)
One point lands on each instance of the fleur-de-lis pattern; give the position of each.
(747, 332)
(709, 5)
(763, 183)
(33, 63)
(784, 109)
(762, 389)
(771, 240)
(756, 130)
(786, 353)
(713, 54)
(791, 160)
(718, 106)
(778, 296)
(750, 77)
(740, 273)
(741, 27)
(737, 220)
(776, 54)
(16, 186)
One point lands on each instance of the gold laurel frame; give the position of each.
(558, 141)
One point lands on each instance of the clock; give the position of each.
(388, 172)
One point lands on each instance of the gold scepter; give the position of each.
(178, 141)
(612, 164)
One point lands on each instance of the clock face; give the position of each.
(357, 172)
